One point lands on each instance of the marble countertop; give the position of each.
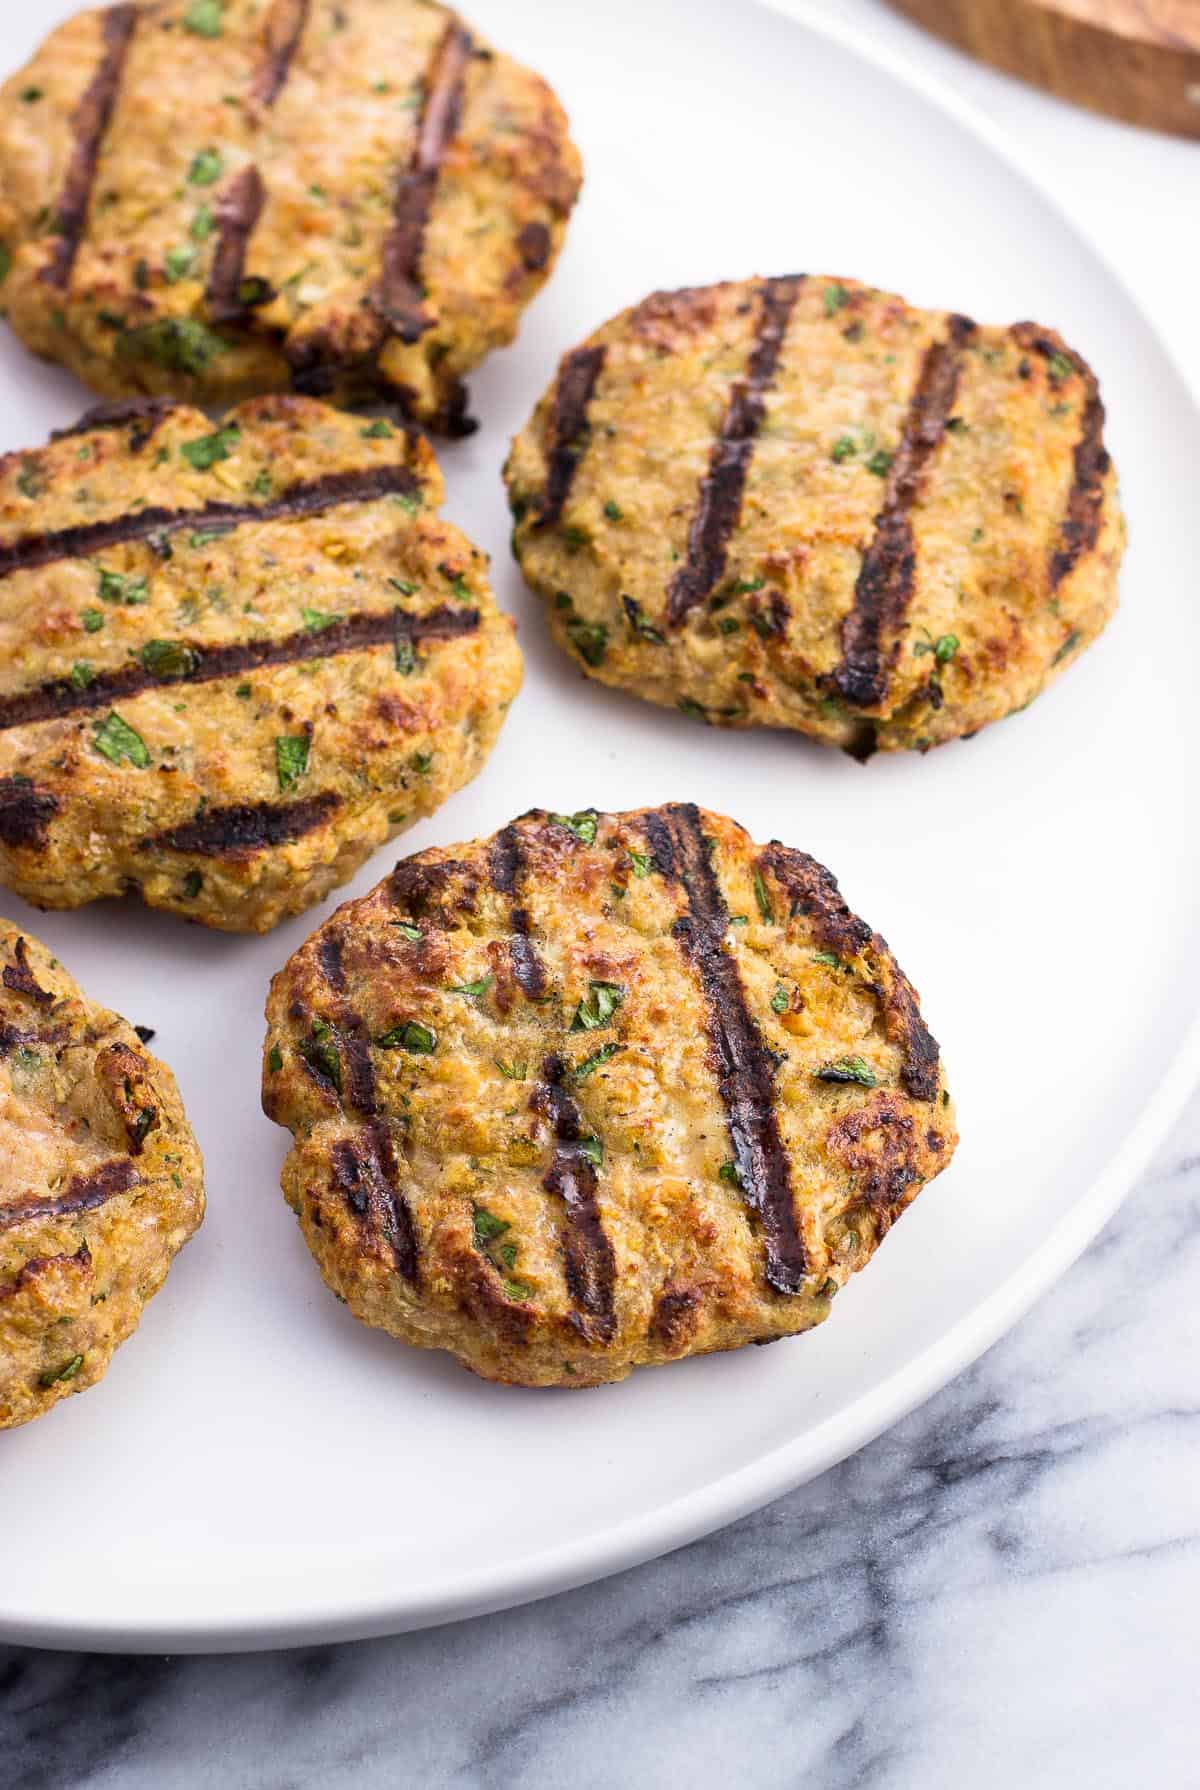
(1002, 1589)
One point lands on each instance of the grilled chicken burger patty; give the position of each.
(216, 198)
(602, 1091)
(233, 659)
(100, 1181)
(802, 503)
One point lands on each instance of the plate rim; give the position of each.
(730, 1496)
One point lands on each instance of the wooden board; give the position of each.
(1134, 59)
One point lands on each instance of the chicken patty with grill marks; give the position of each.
(802, 503)
(101, 1182)
(602, 1091)
(234, 659)
(217, 198)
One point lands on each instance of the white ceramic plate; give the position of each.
(257, 1468)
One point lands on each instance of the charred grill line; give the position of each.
(209, 664)
(1080, 528)
(884, 587)
(507, 868)
(90, 122)
(401, 296)
(363, 485)
(84, 1193)
(25, 812)
(588, 1254)
(238, 212)
(364, 1173)
(745, 1070)
(573, 390)
(145, 414)
(21, 980)
(284, 29)
(722, 488)
(246, 827)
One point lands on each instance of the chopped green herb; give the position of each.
(590, 639)
(943, 648)
(31, 95)
(729, 624)
(263, 484)
(193, 882)
(696, 710)
(321, 1053)
(739, 919)
(844, 448)
(827, 957)
(207, 167)
(244, 691)
(597, 1059)
(637, 621)
(406, 655)
(508, 1254)
(115, 740)
(291, 758)
(408, 500)
(82, 674)
(180, 344)
(643, 862)
(613, 512)
(168, 658)
(1068, 645)
(593, 1149)
(880, 463)
(412, 1036)
(406, 930)
(849, 1069)
(67, 1371)
(583, 825)
(207, 450)
(403, 586)
(728, 1172)
(745, 586)
(472, 988)
(1061, 366)
(836, 297)
(317, 620)
(512, 1071)
(28, 482)
(379, 430)
(201, 227)
(114, 587)
(957, 425)
(274, 1059)
(488, 1227)
(763, 898)
(178, 263)
(203, 18)
(781, 1000)
(517, 1289)
(598, 1006)
(574, 538)
(421, 762)
(204, 537)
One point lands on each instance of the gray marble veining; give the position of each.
(1001, 1590)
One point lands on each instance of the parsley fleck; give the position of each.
(844, 448)
(421, 762)
(836, 298)
(780, 1000)
(207, 450)
(613, 511)
(593, 1150)
(412, 1036)
(203, 18)
(943, 648)
(31, 95)
(207, 167)
(517, 1289)
(115, 740)
(728, 1172)
(406, 656)
(880, 463)
(590, 639)
(178, 263)
(193, 882)
(244, 691)
(513, 1071)
(1061, 366)
(67, 1371)
(763, 898)
(848, 1069)
(28, 482)
(598, 1006)
(201, 227)
(180, 344)
(643, 862)
(274, 1059)
(827, 957)
(82, 674)
(168, 658)
(114, 587)
(291, 758)
(93, 621)
(472, 988)
(583, 825)
(637, 621)
(379, 430)
(597, 1059)
(1068, 645)
(407, 930)
(488, 1227)
(320, 1052)
(317, 620)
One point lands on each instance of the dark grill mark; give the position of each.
(208, 664)
(533, 246)
(401, 297)
(20, 978)
(364, 485)
(83, 1194)
(284, 28)
(507, 868)
(568, 435)
(589, 1261)
(145, 414)
(884, 586)
(238, 212)
(245, 828)
(722, 488)
(91, 120)
(364, 1174)
(25, 812)
(1080, 529)
(745, 1070)
(38, 1264)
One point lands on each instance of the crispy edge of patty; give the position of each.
(79, 1261)
(401, 1246)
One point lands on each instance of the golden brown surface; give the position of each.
(925, 533)
(292, 659)
(213, 198)
(100, 1181)
(598, 1092)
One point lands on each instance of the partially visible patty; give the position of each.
(233, 659)
(215, 198)
(100, 1181)
(601, 1091)
(801, 503)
